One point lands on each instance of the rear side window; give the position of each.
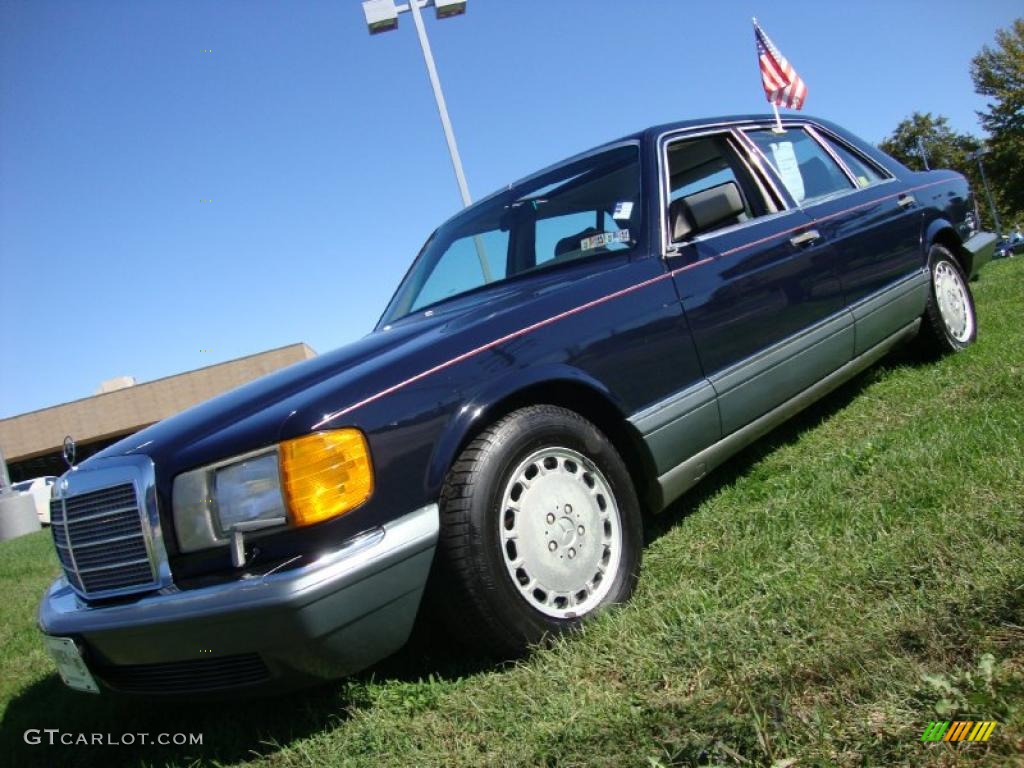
(805, 168)
(711, 187)
(861, 169)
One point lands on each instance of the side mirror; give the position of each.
(706, 210)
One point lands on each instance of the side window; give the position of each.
(861, 169)
(807, 170)
(711, 187)
(460, 268)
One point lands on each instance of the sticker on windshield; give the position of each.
(622, 211)
(605, 238)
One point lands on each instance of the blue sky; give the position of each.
(321, 151)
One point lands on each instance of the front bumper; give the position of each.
(331, 617)
(982, 247)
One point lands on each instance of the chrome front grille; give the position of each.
(103, 537)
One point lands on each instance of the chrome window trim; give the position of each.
(139, 472)
(885, 173)
(682, 134)
(732, 228)
(832, 153)
(757, 159)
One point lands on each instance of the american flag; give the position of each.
(782, 85)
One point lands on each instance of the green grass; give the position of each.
(823, 596)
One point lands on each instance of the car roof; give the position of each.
(657, 130)
(641, 135)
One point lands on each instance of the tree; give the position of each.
(998, 73)
(944, 147)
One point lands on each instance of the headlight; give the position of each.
(302, 481)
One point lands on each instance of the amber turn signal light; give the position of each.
(325, 474)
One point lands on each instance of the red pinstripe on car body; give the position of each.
(596, 302)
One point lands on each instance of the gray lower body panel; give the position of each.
(334, 616)
(681, 425)
(894, 307)
(685, 475)
(757, 385)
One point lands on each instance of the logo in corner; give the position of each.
(69, 451)
(959, 730)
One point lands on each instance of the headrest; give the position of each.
(715, 204)
(679, 220)
(706, 210)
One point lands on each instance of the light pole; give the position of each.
(382, 16)
(988, 192)
(923, 152)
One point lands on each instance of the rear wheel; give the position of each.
(540, 529)
(949, 323)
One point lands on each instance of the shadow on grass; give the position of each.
(234, 731)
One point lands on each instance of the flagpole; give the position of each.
(778, 120)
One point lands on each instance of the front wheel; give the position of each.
(950, 323)
(540, 529)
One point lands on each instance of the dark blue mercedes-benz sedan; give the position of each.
(567, 354)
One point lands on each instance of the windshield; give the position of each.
(581, 209)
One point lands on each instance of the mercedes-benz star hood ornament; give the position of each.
(69, 451)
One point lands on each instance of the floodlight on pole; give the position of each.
(447, 8)
(382, 16)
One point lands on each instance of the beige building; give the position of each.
(32, 442)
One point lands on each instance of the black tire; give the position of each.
(936, 338)
(474, 590)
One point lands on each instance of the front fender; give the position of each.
(485, 401)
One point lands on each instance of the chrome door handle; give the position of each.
(805, 238)
(903, 201)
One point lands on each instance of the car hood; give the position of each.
(254, 415)
(251, 416)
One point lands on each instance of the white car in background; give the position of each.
(39, 489)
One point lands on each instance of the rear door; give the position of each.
(757, 279)
(873, 222)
